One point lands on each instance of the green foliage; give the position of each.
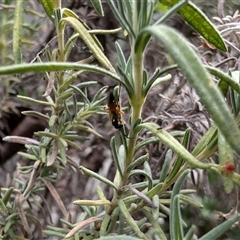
(196, 19)
(152, 199)
(15, 35)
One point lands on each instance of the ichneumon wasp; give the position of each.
(115, 112)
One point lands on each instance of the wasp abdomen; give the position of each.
(115, 112)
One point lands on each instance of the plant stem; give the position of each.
(136, 102)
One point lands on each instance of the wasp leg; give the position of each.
(119, 111)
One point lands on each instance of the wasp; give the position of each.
(115, 112)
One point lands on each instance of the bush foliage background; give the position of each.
(59, 93)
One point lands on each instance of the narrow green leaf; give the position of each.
(147, 168)
(179, 161)
(165, 168)
(17, 31)
(86, 100)
(198, 20)
(178, 184)
(32, 100)
(136, 123)
(118, 237)
(176, 228)
(121, 57)
(88, 39)
(119, 165)
(69, 13)
(69, 80)
(130, 220)
(145, 142)
(46, 133)
(155, 190)
(225, 77)
(100, 93)
(190, 233)
(155, 211)
(97, 176)
(121, 157)
(142, 172)
(10, 222)
(175, 6)
(207, 139)
(137, 162)
(112, 223)
(54, 233)
(105, 223)
(126, 25)
(155, 81)
(62, 146)
(226, 158)
(189, 200)
(65, 95)
(156, 226)
(172, 143)
(27, 155)
(141, 195)
(164, 209)
(7, 195)
(150, 8)
(234, 95)
(3, 207)
(98, 6)
(83, 202)
(58, 229)
(48, 6)
(75, 144)
(220, 229)
(224, 87)
(127, 78)
(36, 114)
(56, 66)
(199, 78)
(74, 137)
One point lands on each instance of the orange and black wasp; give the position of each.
(115, 112)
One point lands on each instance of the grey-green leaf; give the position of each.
(220, 229)
(198, 20)
(119, 237)
(176, 228)
(98, 6)
(48, 6)
(198, 77)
